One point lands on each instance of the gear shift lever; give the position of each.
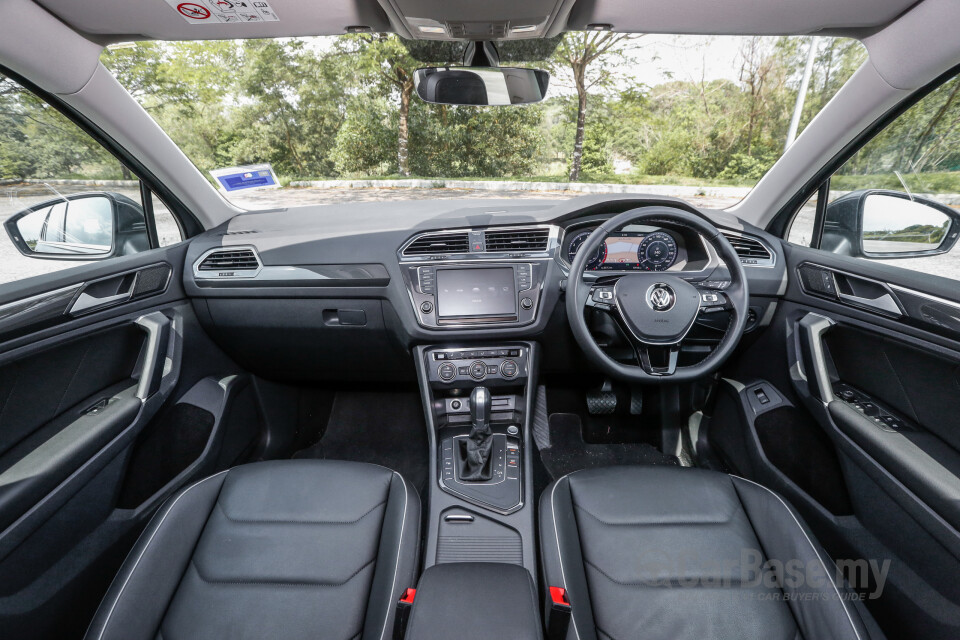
(475, 464)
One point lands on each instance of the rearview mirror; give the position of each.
(80, 226)
(883, 224)
(481, 86)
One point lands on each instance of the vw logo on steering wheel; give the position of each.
(660, 297)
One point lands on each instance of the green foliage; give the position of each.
(344, 107)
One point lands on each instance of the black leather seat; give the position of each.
(292, 549)
(670, 552)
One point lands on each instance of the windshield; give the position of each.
(307, 121)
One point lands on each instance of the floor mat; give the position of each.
(385, 428)
(568, 452)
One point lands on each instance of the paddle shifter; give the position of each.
(474, 456)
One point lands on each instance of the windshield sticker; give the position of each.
(254, 176)
(224, 11)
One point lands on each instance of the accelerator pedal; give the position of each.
(602, 401)
(636, 401)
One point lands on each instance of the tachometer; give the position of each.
(577, 242)
(657, 252)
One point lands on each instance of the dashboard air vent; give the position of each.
(517, 240)
(438, 243)
(749, 249)
(230, 260)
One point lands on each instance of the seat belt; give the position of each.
(404, 606)
(560, 612)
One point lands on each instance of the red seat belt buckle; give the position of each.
(560, 612)
(559, 597)
(403, 613)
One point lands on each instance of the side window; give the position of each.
(898, 198)
(65, 200)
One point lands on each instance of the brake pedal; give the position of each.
(602, 401)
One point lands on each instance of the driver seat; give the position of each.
(673, 552)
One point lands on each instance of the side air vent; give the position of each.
(230, 260)
(750, 250)
(441, 243)
(517, 240)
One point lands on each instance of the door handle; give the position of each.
(883, 302)
(104, 293)
(157, 327)
(810, 331)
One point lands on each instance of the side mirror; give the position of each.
(80, 226)
(481, 86)
(883, 224)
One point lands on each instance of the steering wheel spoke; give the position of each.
(658, 360)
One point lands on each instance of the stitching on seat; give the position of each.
(556, 532)
(281, 583)
(670, 582)
(146, 546)
(605, 634)
(651, 523)
(826, 570)
(317, 522)
(396, 566)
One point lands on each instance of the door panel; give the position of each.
(77, 386)
(874, 370)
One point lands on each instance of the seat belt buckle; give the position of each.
(404, 605)
(560, 612)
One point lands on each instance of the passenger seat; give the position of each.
(287, 549)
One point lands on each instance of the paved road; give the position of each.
(13, 199)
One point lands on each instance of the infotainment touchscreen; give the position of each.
(475, 293)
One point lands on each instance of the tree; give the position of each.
(590, 57)
(386, 61)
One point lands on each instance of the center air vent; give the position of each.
(750, 250)
(230, 260)
(517, 240)
(441, 243)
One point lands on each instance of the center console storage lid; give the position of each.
(475, 601)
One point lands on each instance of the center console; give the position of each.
(479, 402)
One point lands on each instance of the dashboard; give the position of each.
(314, 287)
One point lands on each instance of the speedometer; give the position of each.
(596, 260)
(657, 252)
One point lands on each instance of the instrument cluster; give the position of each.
(655, 250)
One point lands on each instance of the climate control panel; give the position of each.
(491, 366)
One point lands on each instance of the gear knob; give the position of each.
(480, 408)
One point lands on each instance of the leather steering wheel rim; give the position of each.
(737, 293)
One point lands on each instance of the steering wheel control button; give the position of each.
(447, 372)
(478, 370)
(427, 307)
(509, 369)
(526, 303)
(603, 294)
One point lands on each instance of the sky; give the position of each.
(664, 57)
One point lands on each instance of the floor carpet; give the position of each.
(385, 428)
(569, 452)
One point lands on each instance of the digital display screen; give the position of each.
(622, 251)
(475, 293)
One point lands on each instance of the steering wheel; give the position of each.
(657, 309)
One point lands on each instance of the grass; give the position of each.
(933, 182)
(603, 179)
